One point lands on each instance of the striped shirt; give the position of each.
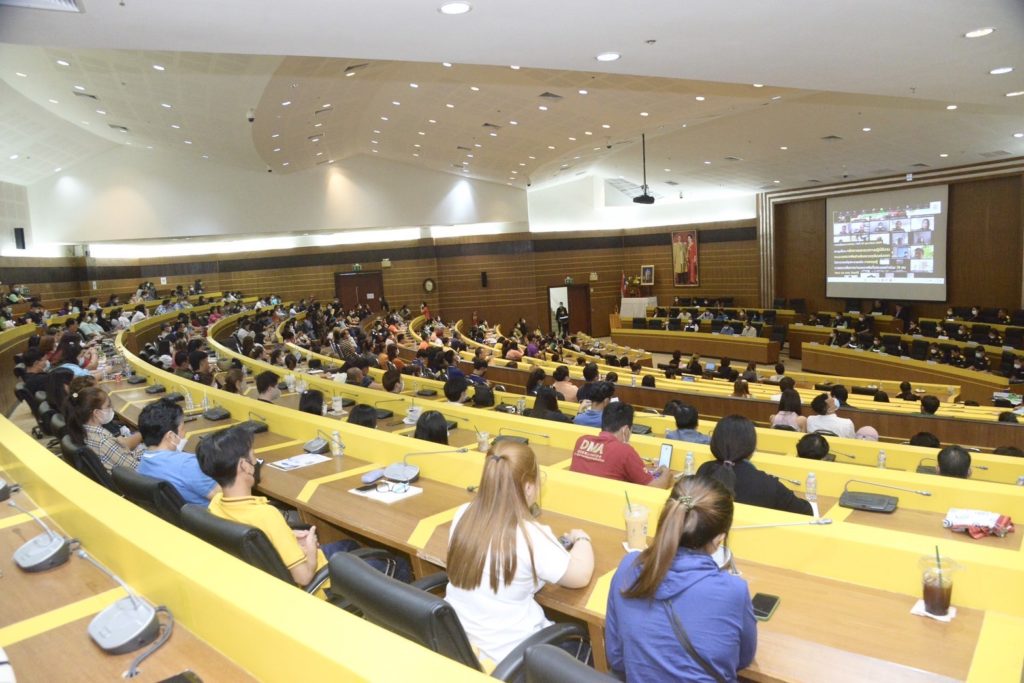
(110, 452)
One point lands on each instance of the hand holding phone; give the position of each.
(665, 459)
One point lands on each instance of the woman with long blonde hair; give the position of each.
(499, 556)
(672, 614)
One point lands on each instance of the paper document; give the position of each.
(297, 461)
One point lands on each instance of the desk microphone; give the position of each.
(873, 502)
(404, 473)
(845, 455)
(128, 624)
(319, 444)
(385, 414)
(817, 521)
(927, 469)
(503, 430)
(257, 426)
(794, 482)
(43, 552)
(467, 421)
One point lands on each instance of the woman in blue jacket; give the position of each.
(674, 589)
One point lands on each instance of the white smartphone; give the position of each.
(666, 456)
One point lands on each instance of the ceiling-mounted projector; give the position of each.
(645, 197)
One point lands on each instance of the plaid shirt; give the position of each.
(111, 453)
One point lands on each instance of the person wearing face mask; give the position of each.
(90, 409)
(266, 386)
(975, 315)
(825, 418)
(980, 361)
(609, 454)
(36, 366)
(1017, 372)
(162, 426)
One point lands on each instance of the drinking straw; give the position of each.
(629, 506)
(938, 563)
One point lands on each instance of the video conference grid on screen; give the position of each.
(886, 244)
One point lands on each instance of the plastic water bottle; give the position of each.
(881, 460)
(632, 380)
(520, 406)
(688, 464)
(206, 401)
(811, 492)
(337, 447)
(189, 404)
(1020, 480)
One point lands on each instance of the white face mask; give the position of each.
(105, 416)
(182, 440)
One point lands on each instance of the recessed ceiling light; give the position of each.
(1018, 135)
(165, 105)
(514, 67)
(206, 156)
(608, 56)
(57, 170)
(866, 129)
(420, 132)
(477, 145)
(446, 65)
(158, 67)
(62, 62)
(396, 103)
(513, 123)
(667, 170)
(979, 32)
(101, 112)
(494, 135)
(587, 132)
(13, 157)
(417, 145)
(175, 126)
(783, 148)
(513, 172)
(53, 101)
(758, 85)
(450, 106)
(1015, 93)
(414, 85)
(373, 142)
(20, 75)
(776, 181)
(188, 142)
(777, 97)
(80, 88)
(643, 113)
(522, 163)
(350, 74)
(431, 120)
(531, 157)
(277, 149)
(699, 98)
(315, 139)
(415, 154)
(383, 118)
(276, 135)
(572, 139)
(452, 8)
(374, 150)
(605, 125)
(707, 163)
(551, 146)
(317, 125)
(376, 131)
(999, 71)
(319, 154)
(286, 163)
(950, 107)
(542, 108)
(943, 155)
(474, 88)
(469, 156)
(286, 103)
(582, 92)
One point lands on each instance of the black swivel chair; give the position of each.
(247, 543)
(550, 664)
(149, 493)
(58, 426)
(415, 614)
(91, 466)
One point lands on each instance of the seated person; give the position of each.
(694, 367)
(162, 426)
(266, 387)
(678, 571)
(535, 381)
(479, 370)
(499, 556)
(86, 413)
(312, 401)
(790, 411)
(600, 395)
(234, 382)
(562, 384)
(740, 389)
(36, 366)
(824, 418)
(648, 381)
(840, 394)
(955, 461)
(456, 390)
(980, 362)
(929, 405)
(686, 417)
(609, 454)
(813, 447)
(907, 392)
(1008, 416)
(545, 406)
(363, 415)
(725, 371)
(733, 443)
(750, 373)
(780, 372)
(392, 381)
(748, 330)
(432, 426)
(358, 378)
(925, 440)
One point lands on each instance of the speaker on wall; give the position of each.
(19, 238)
(483, 278)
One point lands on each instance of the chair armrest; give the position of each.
(511, 668)
(431, 583)
(368, 554)
(318, 580)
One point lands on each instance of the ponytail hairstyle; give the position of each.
(490, 526)
(697, 511)
(80, 407)
(733, 441)
(232, 380)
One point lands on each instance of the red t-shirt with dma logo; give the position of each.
(605, 456)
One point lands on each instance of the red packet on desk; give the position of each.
(978, 523)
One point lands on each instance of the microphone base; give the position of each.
(927, 469)
(125, 626)
(402, 473)
(42, 553)
(868, 502)
(254, 426)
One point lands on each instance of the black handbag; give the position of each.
(684, 640)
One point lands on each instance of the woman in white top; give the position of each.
(499, 557)
(789, 412)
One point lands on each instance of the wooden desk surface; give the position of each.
(928, 524)
(759, 349)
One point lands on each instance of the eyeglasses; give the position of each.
(392, 487)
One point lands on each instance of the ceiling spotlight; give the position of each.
(643, 113)
(276, 135)
(417, 145)
(551, 146)
(950, 107)
(165, 105)
(57, 170)
(699, 98)
(758, 85)
(572, 139)
(53, 101)
(286, 163)
(587, 132)
(317, 125)
(327, 105)
(607, 56)
(383, 118)
(866, 129)
(494, 135)
(277, 149)
(707, 163)
(349, 74)
(158, 67)
(414, 85)
(188, 142)
(943, 155)
(175, 126)
(477, 145)
(431, 120)
(513, 123)
(667, 170)
(777, 97)
(582, 92)
(446, 65)
(474, 88)
(999, 71)
(783, 148)
(20, 75)
(531, 157)
(396, 103)
(61, 62)
(979, 32)
(376, 131)
(1018, 135)
(415, 154)
(450, 106)
(605, 125)
(514, 67)
(80, 88)
(13, 157)
(206, 156)
(420, 132)
(453, 8)
(101, 112)
(522, 163)
(776, 181)
(1015, 93)
(373, 142)
(286, 103)
(542, 108)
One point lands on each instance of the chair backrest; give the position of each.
(551, 664)
(19, 370)
(58, 427)
(154, 495)
(69, 450)
(43, 417)
(403, 609)
(91, 466)
(245, 542)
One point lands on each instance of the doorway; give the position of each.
(353, 289)
(576, 298)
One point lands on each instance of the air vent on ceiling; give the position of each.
(996, 154)
(831, 138)
(119, 129)
(733, 159)
(463, 148)
(492, 126)
(55, 5)
(322, 111)
(920, 165)
(550, 96)
(355, 67)
(671, 182)
(85, 94)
